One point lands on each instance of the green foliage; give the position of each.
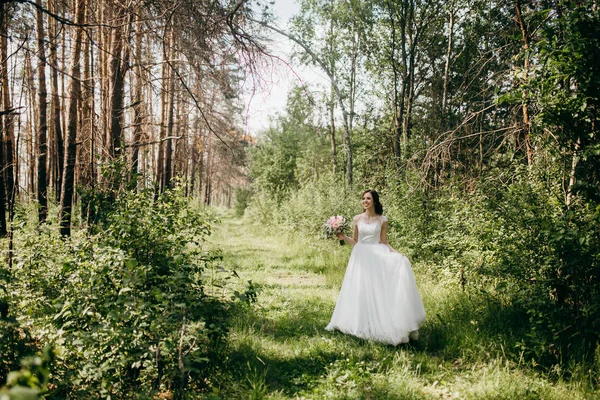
(520, 246)
(547, 235)
(548, 258)
(127, 309)
(568, 92)
(310, 206)
(514, 245)
(15, 341)
(31, 382)
(275, 159)
(99, 201)
(501, 205)
(242, 199)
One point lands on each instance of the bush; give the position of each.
(15, 342)
(308, 208)
(243, 197)
(126, 308)
(547, 263)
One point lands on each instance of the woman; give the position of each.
(379, 299)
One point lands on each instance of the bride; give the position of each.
(379, 299)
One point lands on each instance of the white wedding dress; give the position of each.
(379, 299)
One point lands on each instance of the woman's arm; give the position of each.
(351, 240)
(383, 237)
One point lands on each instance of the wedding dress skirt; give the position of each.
(379, 299)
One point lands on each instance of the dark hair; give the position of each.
(377, 205)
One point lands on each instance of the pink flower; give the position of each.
(334, 225)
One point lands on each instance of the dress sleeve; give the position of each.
(384, 219)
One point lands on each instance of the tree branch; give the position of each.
(140, 144)
(197, 104)
(60, 19)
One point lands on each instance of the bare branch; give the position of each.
(141, 144)
(60, 19)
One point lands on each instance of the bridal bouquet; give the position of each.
(334, 225)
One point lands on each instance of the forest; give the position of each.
(134, 201)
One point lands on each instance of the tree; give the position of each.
(326, 63)
(42, 118)
(119, 57)
(108, 74)
(68, 180)
(57, 144)
(8, 138)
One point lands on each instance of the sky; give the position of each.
(267, 96)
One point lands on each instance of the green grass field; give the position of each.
(280, 349)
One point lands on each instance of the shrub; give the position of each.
(243, 197)
(126, 308)
(15, 341)
(309, 207)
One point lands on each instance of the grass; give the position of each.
(280, 350)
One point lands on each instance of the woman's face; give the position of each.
(367, 201)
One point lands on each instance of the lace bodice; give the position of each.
(369, 231)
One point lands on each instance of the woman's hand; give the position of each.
(348, 239)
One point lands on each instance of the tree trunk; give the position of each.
(115, 141)
(404, 21)
(170, 110)
(447, 65)
(3, 70)
(525, 109)
(42, 195)
(193, 168)
(86, 154)
(208, 172)
(66, 199)
(572, 179)
(160, 163)
(30, 132)
(63, 90)
(409, 79)
(102, 74)
(8, 122)
(105, 83)
(352, 92)
(348, 138)
(3, 230)
(396, 95)
(137, 101)
(331, 107)
(57, 132)
(181, 144)
(86, 171)
(32, 121)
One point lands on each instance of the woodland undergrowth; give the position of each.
(511, 246)
(279, 348)
(124, 308)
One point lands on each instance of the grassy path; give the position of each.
(280, 349)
